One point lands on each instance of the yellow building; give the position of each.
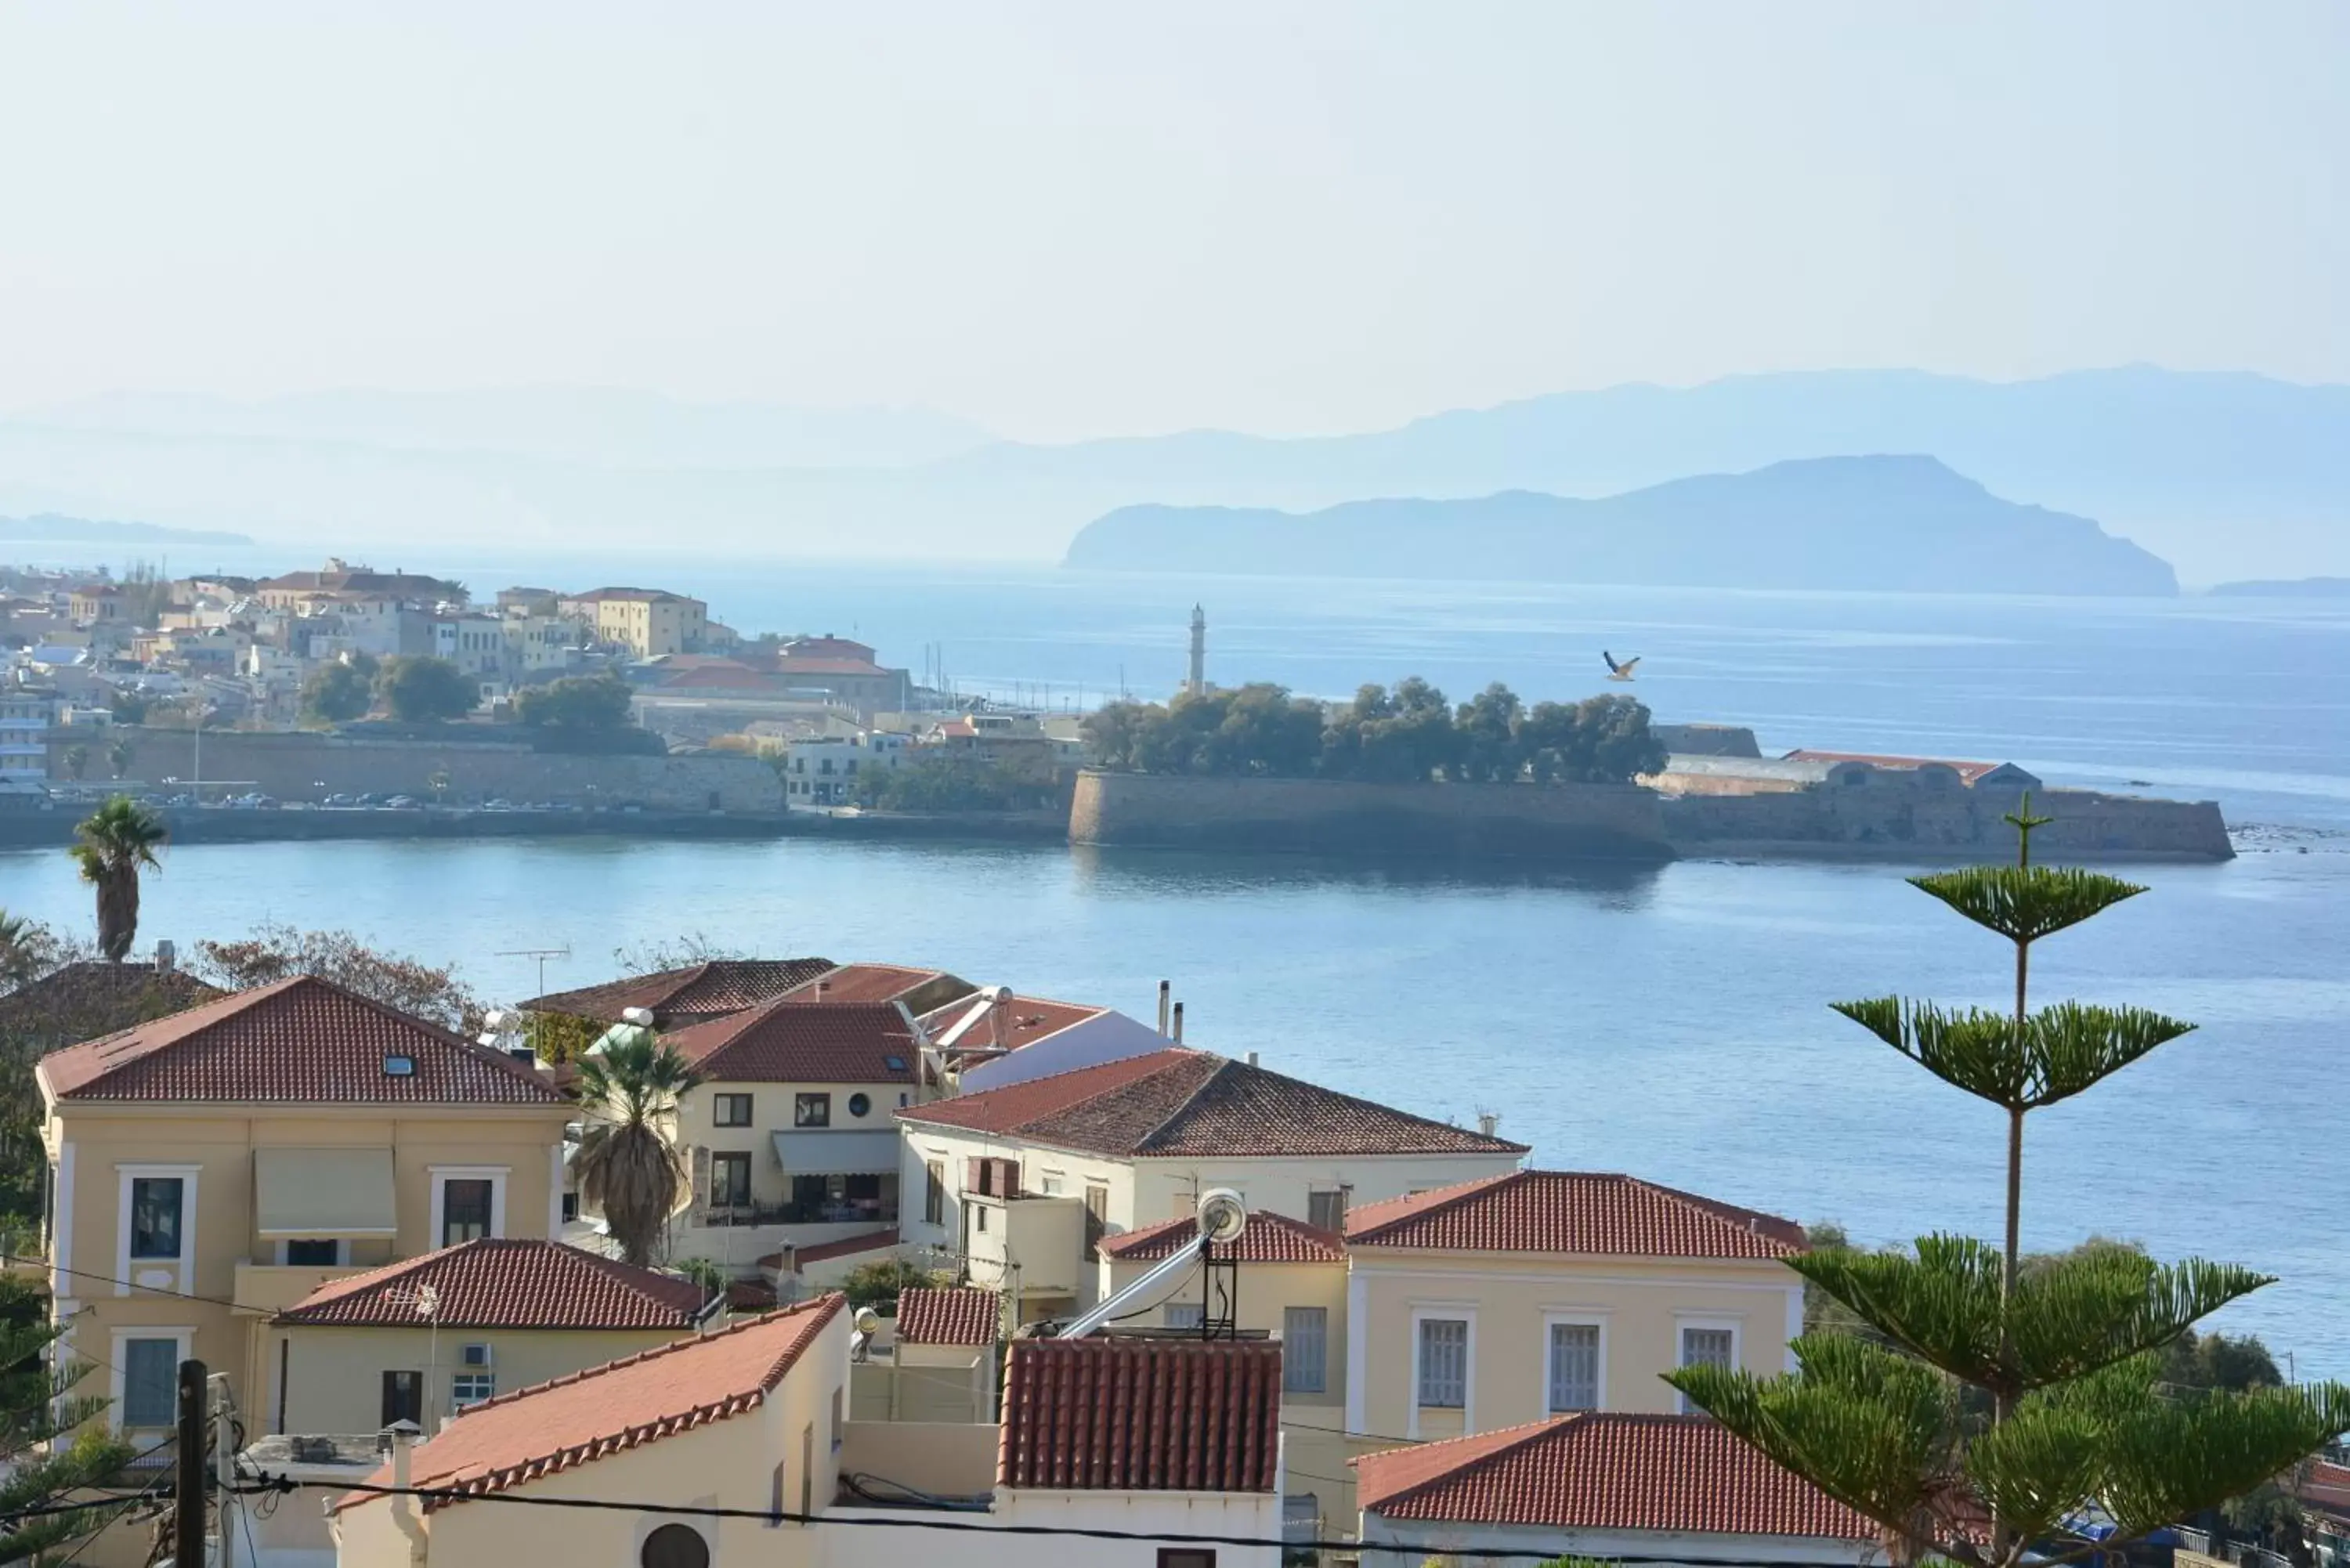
(209, 1169)
(648, 622)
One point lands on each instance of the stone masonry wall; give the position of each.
(1960, 822)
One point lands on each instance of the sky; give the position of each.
(1071, 219)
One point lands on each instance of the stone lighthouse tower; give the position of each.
(1198, 683)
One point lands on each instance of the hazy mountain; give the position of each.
(2288, 588)
(2227, 475)
(1893, 524)
(48, 527)
(606, 427)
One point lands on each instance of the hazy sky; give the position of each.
(1081, 219)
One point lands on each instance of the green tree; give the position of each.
(1113, 732)
(1491, 748)
(120, 754)
(128, 707)
(702, 1272)
(53, 1451)
(76, 761)
(146, 594)
(113, 845)
(957, 783)
(20, 954)
(337, 693)
(877, 1284)
(629, 1171)
(1988, 1390)
(590, 702)
(425, 690)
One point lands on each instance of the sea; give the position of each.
(1670, 1021)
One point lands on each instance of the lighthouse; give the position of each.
(1198, 684)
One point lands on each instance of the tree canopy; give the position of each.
(337, 693)
(273, 952)
(948, 783)
(577, 702)
(1409, 734)
(424, 690)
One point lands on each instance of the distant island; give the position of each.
(54, 527)
(1895, 524)
(2288, 588)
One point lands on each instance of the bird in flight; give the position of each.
(1619, 671)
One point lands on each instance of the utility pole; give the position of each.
(188, 1466)
(225, 1465)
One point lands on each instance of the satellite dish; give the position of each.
(494, 1019)
(641, 1016)
(869, 1322)
(1222, 1215)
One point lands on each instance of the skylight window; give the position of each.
(399, 1066)
(895, 1064)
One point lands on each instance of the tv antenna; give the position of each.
(538, 1023)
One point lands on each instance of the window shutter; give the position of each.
(974, 1175)
(701, 1168)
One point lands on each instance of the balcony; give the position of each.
(874, 1211)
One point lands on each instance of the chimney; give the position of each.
(166, 956)
(1163, 987)
(1178, 1035)
(1252, 1058)
(1489, 1123)
(822, 986)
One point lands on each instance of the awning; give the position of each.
(872, 1152)
(324, 1191)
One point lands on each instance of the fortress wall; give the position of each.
(1894, 821)
(1337, 817)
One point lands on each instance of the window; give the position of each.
(674, 1546)
(729, 1180)
(1049, 1183)
(811, 1110)
(151, 1382)
(1186, 1314)
(979, 1222)
(1326, 1211)
(1574, 1366)
(730, 1110)
(1444, 1363)
(1187, 1557)
(934, 1191)
(313, 1252)
(1707, 1344)
(1097, 1218)
(471, 1387)
(155, 1216)
(1305, 1349)
(404, 1398)
(859, 1105)
(835, 1419)
(464, 1210)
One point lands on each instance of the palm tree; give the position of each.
(115, 844)
(76, 761)
(629, 1169)
(119, 755)
(16, 958)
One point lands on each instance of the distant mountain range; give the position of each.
(49, 527)
(2288, 588)
(1890, 524)
(2227, 475)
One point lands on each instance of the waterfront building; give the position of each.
(648, 622)
(27, 714)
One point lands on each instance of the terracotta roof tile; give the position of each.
(1183, 1101)
(685, 995)
(518, 1438)
(921, 990)
(789, 1041)
(963, 1315)
(1604, 1470)
(1267, 1238)
(1574, 1212)
(298, 1041)
(1133, 1415)
(506, 1283)
(1018, 1020)
(84, 1000)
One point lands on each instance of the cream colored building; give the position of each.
(934, 1362)
(1023, 1182)
(648, 622)
(211, 1168)
(751, 1418)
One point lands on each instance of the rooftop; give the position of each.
(1267, 1238)
(84, 1000)
(506, 1283)
(298, 1041)
(1970, 771)
(786, 1040)
(517, 1438)
(694, 992)
(1184, 1102)
(982, 1023)
(1581, 1212)
(963, 1315)
(921, 990)
(1604, 1470)
(1138, 1415)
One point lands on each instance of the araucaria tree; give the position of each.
(628, 1168)
(45, 1467)
(116, 842)
(1999, 1411)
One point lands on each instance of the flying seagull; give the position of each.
(1619, 671)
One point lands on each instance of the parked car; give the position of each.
(403, 803)
(342, 801)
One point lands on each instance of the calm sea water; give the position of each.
(1671, 1023)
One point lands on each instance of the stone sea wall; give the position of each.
(1338, 817)
(1951, 823)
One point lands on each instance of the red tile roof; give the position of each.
(791, 664)
(1135, 1415)
(686, 996)
(1185, 1102)
(1604, 1470)
(506, 1283)
(1267, 1238)
(882, 982)
(1572, 1211)
(90, 997)
(518, 1438)
(1017, 1021)
(960, 1317)
(298, 1041)
(847, 1246)
(788, 1041)
(1970, 771)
